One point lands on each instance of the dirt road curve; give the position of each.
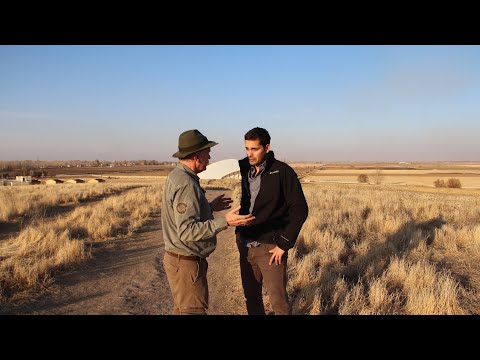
(126, 276)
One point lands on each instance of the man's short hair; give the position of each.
(258, 133)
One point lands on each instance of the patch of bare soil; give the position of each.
(126, 276)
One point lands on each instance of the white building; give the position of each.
(23, 178)
(224, 169)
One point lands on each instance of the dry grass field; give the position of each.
(387, 250)
(393, 246)
(62, 221)
(37, 200)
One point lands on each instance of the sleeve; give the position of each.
(297, 211)
(187, 209)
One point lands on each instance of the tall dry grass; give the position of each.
(377, 250)
(47, 244)
(37, 200)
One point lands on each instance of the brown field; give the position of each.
(421, 174)
(160, 170)
(398, 247)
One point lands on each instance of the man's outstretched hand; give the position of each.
(233, 219)
(221, 203)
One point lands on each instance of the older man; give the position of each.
(189, 228)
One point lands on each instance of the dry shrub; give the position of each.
(362, 178)
(454, 183)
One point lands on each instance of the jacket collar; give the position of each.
(188, 171)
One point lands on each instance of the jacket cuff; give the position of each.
(220, 223)
(284, 243)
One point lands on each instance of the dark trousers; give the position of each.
(188, 284)
(254, 270)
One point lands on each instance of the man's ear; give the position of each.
(267, 148)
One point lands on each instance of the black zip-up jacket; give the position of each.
(280, 207)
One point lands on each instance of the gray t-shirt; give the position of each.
(254, 181)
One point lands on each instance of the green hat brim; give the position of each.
(181, 154)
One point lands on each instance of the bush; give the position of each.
(454, 183)
(378, 177)
(362, 178)
(451, 183)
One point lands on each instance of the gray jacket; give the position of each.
(188, 225)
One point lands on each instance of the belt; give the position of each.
(185, 257)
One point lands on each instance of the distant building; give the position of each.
(53, 181)
(224, 169)
(10, 183)
(19, 181)
(23, 178)
(94, 181)
(75, 181)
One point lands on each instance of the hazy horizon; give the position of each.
(174, 160)
(319, 103)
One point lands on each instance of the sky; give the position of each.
(318, 102)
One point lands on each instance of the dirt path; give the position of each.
(126, 276)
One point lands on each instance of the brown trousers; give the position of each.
(254, 269)
(188, 284)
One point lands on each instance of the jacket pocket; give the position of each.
(170, 265)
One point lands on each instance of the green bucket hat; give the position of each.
(190, 142)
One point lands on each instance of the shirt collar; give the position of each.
(261, 167)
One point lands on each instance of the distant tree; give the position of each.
(454, 183)
(36, 173)
(439, 183)
(378, 176)
(25, 171)
(362, 178)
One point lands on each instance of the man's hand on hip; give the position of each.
(277, 254)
